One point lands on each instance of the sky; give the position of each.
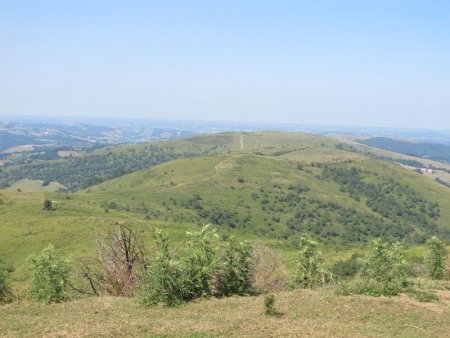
(367, 63)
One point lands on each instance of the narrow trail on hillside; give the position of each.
(222, 165)
(242, 142)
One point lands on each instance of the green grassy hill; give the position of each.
(263, 196)
(266, 186)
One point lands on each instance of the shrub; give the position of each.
(50, 276)
(383, 272)
(198, 271)
(5, 289)
(234, 276)
(160, 283)
(267, 272)
(48, 205)
(436, 260)
(310, 270)
(199, 263)
(269, 305)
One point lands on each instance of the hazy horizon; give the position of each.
(348, 63)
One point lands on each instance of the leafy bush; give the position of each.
(50, 276)
(199, 263)
(437, 258)
(310, 270)
(161, 281)
(383, 272)
(198, 271)
(234, 276)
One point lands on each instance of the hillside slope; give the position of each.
(267, 186)
(278, 197)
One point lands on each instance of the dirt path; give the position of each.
(222, 165)
(242, 142)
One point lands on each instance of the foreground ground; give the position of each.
(305, 313)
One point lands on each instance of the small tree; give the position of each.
(311, 270)
(50, 276)
(48, 205)
(436, 260)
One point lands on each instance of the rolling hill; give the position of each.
(267, 186)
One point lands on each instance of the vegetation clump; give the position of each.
(50, 276)
(161, 281)
(234, 276)
(269, 305)
(310, 269)
(6, 294)
(436, 260)
(383, 271)
(48, 206)
(198, 271)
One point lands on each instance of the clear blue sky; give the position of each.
(378, 63)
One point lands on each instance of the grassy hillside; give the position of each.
(267, 186)
(305, 313)
(273, 197)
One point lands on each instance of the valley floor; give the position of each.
(305, 313)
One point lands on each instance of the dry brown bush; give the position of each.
(113, 271)
(267, 269)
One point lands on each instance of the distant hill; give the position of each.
(107, 163)
(434, 151)
(8, 140)
(341, 203)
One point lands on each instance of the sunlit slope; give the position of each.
(279, 198)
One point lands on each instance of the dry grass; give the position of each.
(306, 313)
